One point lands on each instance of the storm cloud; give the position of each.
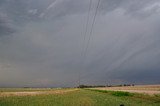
(41, 42)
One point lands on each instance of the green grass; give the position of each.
(119, 93)
(114, 93)
(82, 97)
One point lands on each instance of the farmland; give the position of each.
(144, 89)
(74, 97)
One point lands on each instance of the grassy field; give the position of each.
(144, 89)
(74, 97)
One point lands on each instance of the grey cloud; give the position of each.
(33, 10)
(5, 25)
(45, 49)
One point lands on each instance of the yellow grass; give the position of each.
(34, 93)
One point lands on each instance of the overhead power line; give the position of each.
(92, 27)
(86, 27)
(84, 53)
(85, 35)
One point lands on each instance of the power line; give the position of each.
(83, 54)
(86, 27)
(85, 34)
(92, 27)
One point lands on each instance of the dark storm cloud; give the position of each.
(5, 26)
(5, 29)
(45, 48)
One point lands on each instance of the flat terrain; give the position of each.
(34, 92)
(145, 89)
(74, 97)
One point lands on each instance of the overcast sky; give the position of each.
(41, 42)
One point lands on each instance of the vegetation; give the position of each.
(90, 86)
(24, 89)
(114, 93)
(82, 97)
(95, 86)
(119, 93)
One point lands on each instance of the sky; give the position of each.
(43, 42)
